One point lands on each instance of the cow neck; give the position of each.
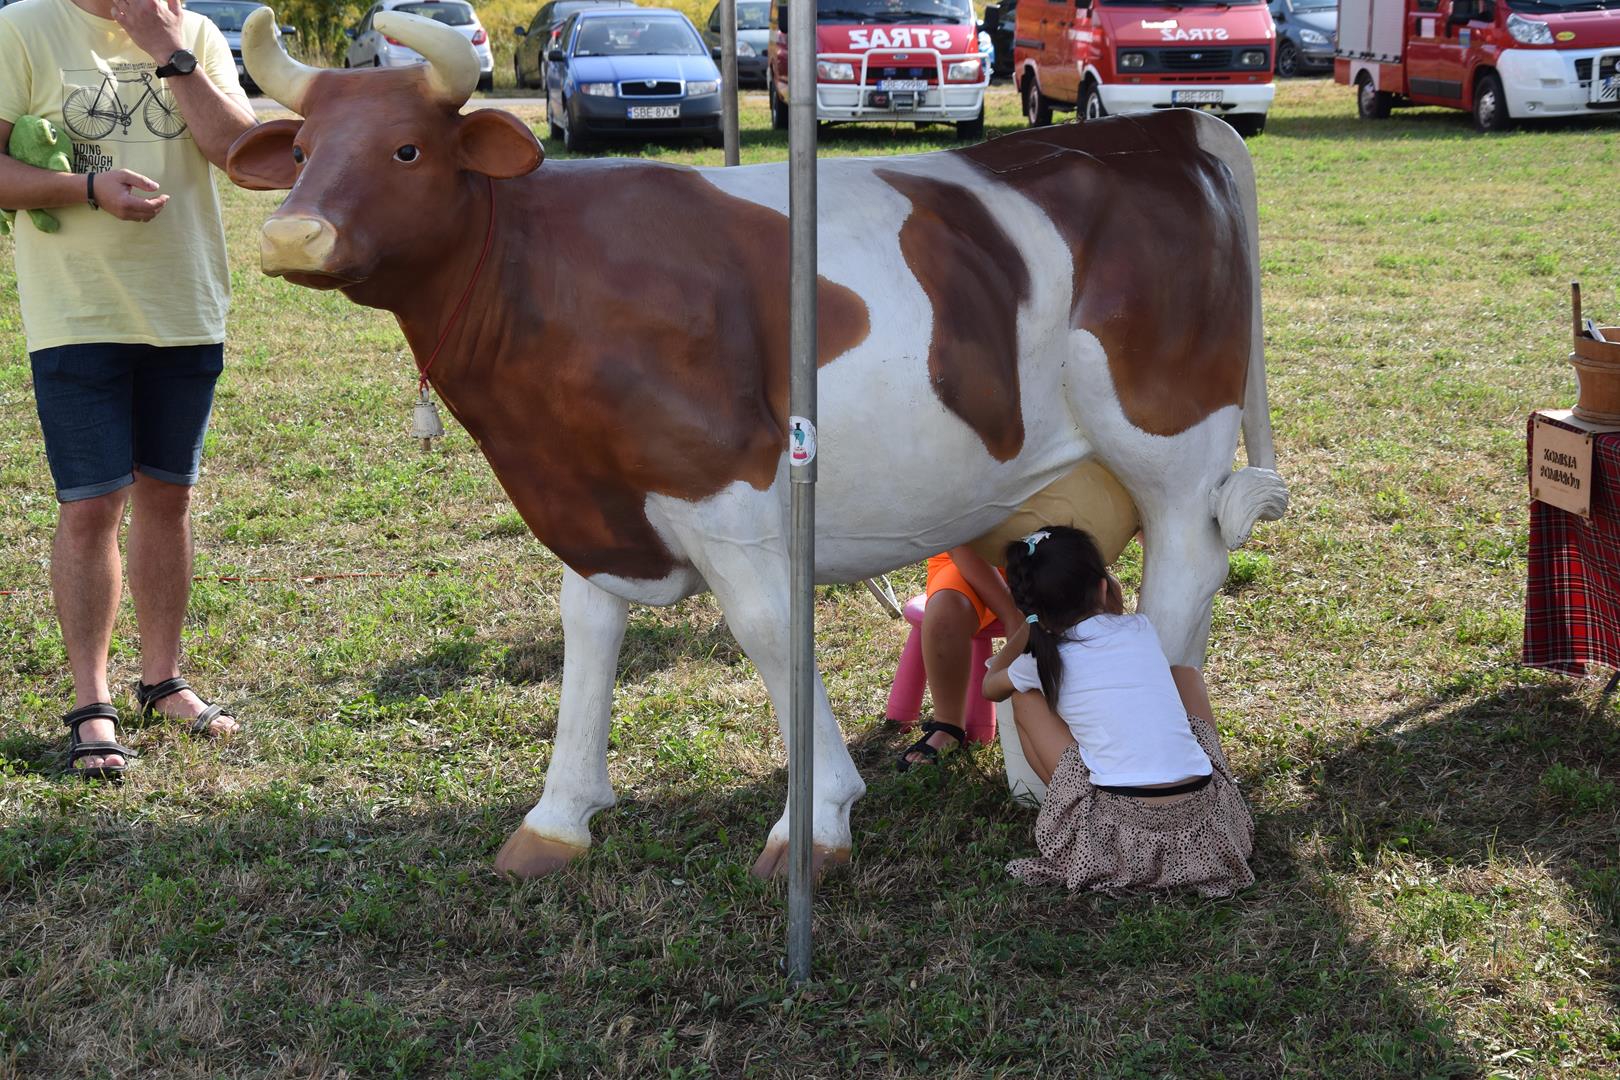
(424, 370)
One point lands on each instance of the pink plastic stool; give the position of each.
(910, 679)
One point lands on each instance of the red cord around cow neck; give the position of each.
(489, 238)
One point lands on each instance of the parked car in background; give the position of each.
(1503, 60)
(999, 22)
(369, 47)
(1304, 35)
(1125, 56)
(639, 74)
(229, 15)
(753, 40)
(541, 36)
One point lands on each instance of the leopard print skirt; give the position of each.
(1091, 839)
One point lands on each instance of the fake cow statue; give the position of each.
(1071, 302)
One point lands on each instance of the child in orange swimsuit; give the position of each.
(965, 595)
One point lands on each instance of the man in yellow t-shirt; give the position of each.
(124, 310)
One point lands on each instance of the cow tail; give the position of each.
(1255, 493)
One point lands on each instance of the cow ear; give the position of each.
(261, 158)
(497, 144)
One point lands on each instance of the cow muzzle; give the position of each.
(296, 244)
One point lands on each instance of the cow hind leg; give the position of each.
(558, 829)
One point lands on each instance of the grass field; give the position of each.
(1438, 892)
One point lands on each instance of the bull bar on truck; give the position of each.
(861, 91)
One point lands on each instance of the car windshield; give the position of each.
(451, 14)
(228, 17)
(1548, 7)
(753, 16)
(636, 36)
(1315, 5)
(894, 11)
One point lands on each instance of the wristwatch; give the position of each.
(181, 62)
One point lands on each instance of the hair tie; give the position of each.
(1035, 538)
(1032, 619)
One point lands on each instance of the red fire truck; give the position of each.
(1118, 56)
(890, 60)
(1504, 60)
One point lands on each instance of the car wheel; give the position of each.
(1091, 103)
(1037, 110)
(1287, 59)
(376, 61)
(517, 74)
(972, 130)
(575, 140)
(779, 113)
(1371, 104)
(1490, 105)
(1248, 125)
(486, 83)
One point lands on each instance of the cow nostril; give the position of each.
(297, 241)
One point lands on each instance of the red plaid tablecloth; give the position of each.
(1572, 601)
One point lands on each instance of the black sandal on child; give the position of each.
(149, 696)
(79, 748)
(929, 752)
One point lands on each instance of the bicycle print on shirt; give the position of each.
(120, 103)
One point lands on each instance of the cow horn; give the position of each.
(276, 73)
(452, 65)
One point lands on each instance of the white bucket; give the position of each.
(1027, 788)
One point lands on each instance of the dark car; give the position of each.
(753, 40)
(638, 74)
(541, 36)
(229, 15)
(999, 21)
(1305, 30)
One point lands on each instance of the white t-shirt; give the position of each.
(1121, 703)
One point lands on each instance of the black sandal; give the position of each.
(149, 696)
(930, 752)
(78, 748)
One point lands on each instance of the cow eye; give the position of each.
(298, 155)
(406, 153)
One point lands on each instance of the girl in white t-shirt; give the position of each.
(1138, 792)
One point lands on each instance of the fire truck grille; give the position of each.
(653, 88)
(875, 74)
(1195, 59)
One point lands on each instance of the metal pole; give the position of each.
(802, 472)
(728, 78)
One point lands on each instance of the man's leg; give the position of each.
(949, 623)
(85, 581)
(160, 557)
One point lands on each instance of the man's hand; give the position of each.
(118, 193)
(153, 25)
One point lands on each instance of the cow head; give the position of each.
(386, 175)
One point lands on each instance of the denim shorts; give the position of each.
(109, 409)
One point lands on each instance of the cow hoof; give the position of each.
(773, 861)
(527, 854)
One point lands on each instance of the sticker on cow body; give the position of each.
(802, 440)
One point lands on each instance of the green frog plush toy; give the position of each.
(35, 141)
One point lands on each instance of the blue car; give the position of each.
(640, 73)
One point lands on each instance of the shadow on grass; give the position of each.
(1408, 126)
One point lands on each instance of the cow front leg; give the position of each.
(1184, 563)
(558, 830)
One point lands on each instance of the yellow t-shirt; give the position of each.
(163, 282)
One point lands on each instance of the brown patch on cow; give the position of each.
(1164, 276)
(632, 340)
(976, 280)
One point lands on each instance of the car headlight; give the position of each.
(1529, 31)
(1313, 37)
(964, 71)
(698, 89)
(1254, 58)
(598, 89)
(744, 49)
(833, 71)
(1132, 60)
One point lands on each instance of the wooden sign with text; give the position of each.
(1561, 467)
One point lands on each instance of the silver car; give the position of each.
(368, 47)
(753, 39)
(1305, 30)
(229, 15)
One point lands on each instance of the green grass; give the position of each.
(1438, 889)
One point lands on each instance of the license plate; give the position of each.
(655, 112)
(903, 84)
(1195, 97)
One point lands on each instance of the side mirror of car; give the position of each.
(555, 56)
(289, 31)
(1280, 16)
(351, 33)
(520, 31)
